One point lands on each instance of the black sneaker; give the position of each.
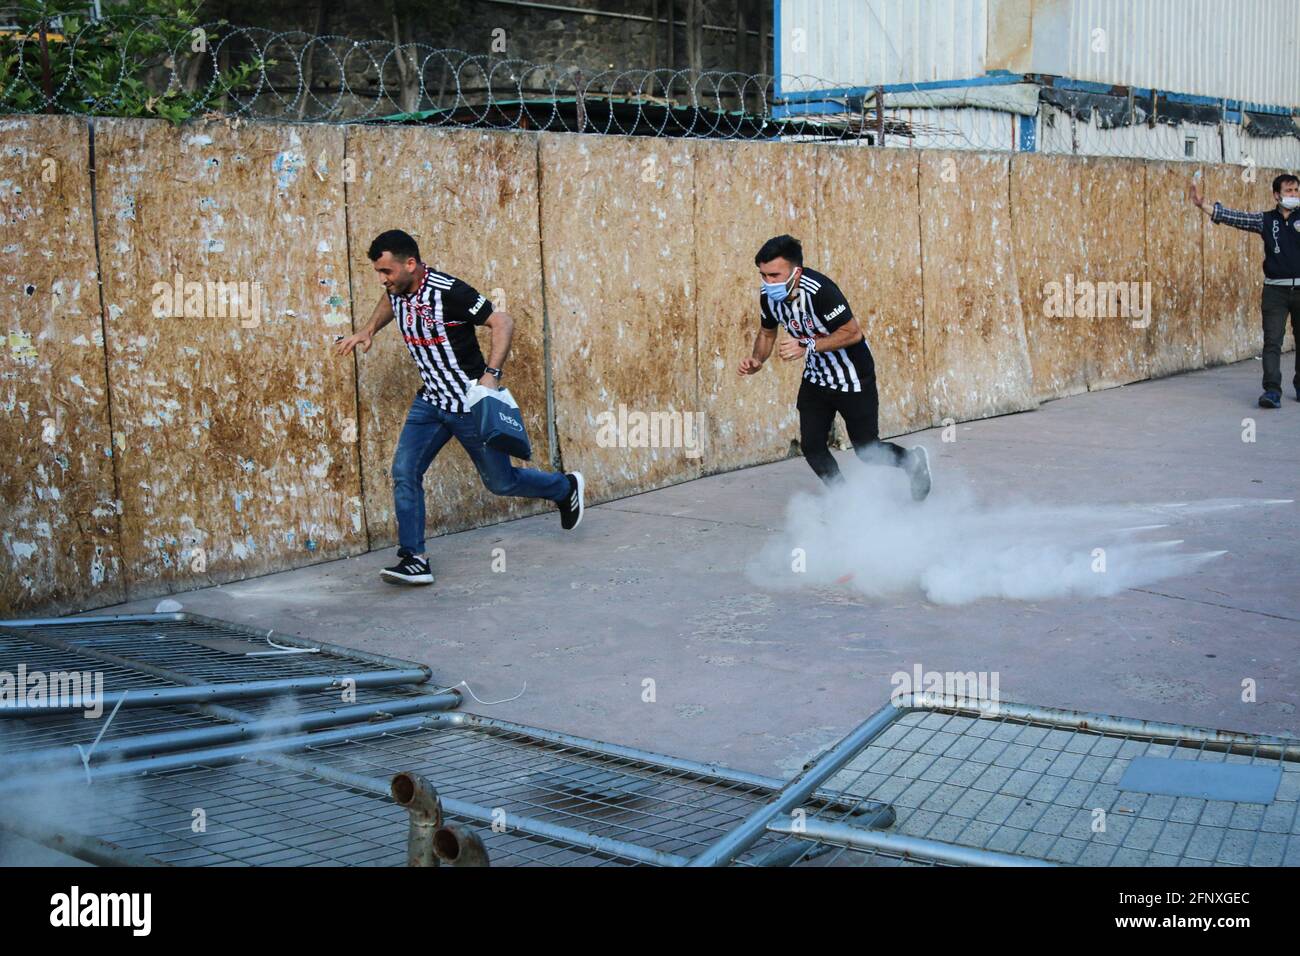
(918, 466)
(571, 507)
(408, 570)
(1270, 400)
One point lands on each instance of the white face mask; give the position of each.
(1291, 202)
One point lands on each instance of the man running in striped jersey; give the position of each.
(839, 373)
(436, 314)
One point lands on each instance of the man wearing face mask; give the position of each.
(1280, 228)
(839, 373)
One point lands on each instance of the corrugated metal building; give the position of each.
(1215, 80)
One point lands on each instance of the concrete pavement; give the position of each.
(654, 587)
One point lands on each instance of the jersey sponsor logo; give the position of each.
(424, 340)
(478, 305)
(836, 311)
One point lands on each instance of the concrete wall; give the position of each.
(153, 447)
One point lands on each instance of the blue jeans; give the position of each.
(427, 429)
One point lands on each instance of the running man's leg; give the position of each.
(499, 475)
(422, 438)
(816, 413)
(861, 414)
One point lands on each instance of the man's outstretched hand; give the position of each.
(1194, 192)
(345, 346)
(749, 365)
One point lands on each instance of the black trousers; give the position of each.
(1275, 303)
(861, 413)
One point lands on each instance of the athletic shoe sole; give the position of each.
(577, 476)
(394, 577)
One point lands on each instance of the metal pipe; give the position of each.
(749, 832)
(848, 835)
(1286, 748)
(459, 846)
(215, 756)
(246, 729)
(187, 617)
(479, 814)
(90, 849)
(420, 800)
(829, 797)
(235, 690)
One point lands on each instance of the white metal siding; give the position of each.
(865, 42)
(1238, 49)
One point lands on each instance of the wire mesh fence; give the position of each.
(155, 66)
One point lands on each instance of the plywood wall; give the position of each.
(1234, 279)
(1173, 251)
(236, 450)
(746, 193)
(619, 251)
(189, 449)
(1112, 218)
(1047, 199)
(976, 354)
(870, 239)
(58, 535)
(470, 201)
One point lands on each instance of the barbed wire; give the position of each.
(121, 65)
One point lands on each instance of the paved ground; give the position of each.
(655, 587)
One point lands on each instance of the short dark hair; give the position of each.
(1283, 179)
(401, 245)
(780, 247)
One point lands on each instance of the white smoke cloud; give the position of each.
(869, 536)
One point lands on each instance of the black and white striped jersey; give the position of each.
(437, 323)
(814, 310)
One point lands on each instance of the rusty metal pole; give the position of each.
(880, 116)
(425, 811)
(459, 846)
(580, 101)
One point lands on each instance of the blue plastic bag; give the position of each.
(499, 423)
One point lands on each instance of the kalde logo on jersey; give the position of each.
(103, 909)
(836, 311)
(477, 305)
